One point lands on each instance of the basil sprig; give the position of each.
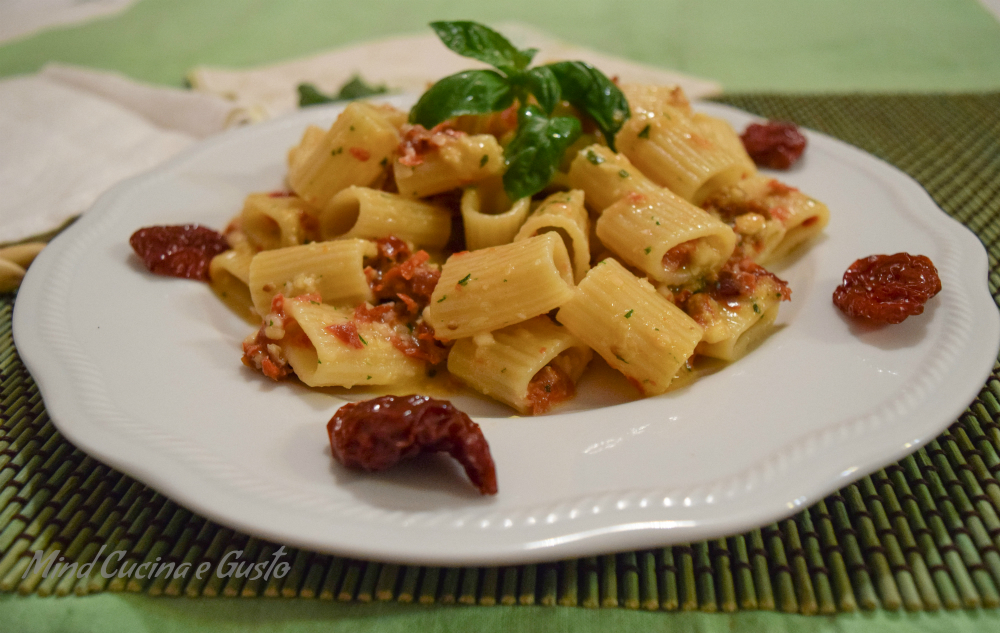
(541, 139)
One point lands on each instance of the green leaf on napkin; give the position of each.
(354, 88)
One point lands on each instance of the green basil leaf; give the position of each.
(536, 150)
(543, 84)
(356, 88)
(309, 95)
(591, 91)
(471, 39)
(468, 92)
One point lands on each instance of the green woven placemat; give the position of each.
(920, 534)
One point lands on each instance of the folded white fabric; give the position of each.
(69, 134)
(410, 63)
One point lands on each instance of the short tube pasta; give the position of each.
(669, 239)
(481, 291)
(722, 134)
(229, 276)
(734, 326)
(770, 218)
(355, 151)
(333, 270)
(371, 214)
(673, 151)
(274, 221)
(504, 363)
(563, 213)
(459, 161)
(483, 229)
(634, 328)
(605, 177)
(322, 359)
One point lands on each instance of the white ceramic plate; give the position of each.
(143, 372)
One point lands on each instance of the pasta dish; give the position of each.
(637, 231)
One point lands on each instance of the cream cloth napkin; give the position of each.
(68, 134)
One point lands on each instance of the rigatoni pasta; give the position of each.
(664, 142)
(605, 177)
(666, 237)
(486, 228)
(335, 271)
(272, 220)
(530, 365)
(370, 213)
(634, 328)
(563, 213)
(481, 291)
(326, 357)
(458, 161)
(771, 218)
(355, 151)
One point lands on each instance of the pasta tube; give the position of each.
(734, 325)
(458, 161)
(355, 151)
(770, 218)
(605, 177)
(371, 214)
(516, 364)
(333, 270)
(675, 152)
(229, 276)
(669, 239)
(485, 290)
(650, 97)
(722, 134)
(634, 328)
(274, 221)
(483, 229)
(335, 351)
(563, 213)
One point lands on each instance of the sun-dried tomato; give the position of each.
(376, 434)
(178, 251)
(887, 288)
(775, 144)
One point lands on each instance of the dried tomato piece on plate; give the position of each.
(379, 433)
(887, 288)
(775, 144)
(178, 251)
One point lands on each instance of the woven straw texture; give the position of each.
(921, 534)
